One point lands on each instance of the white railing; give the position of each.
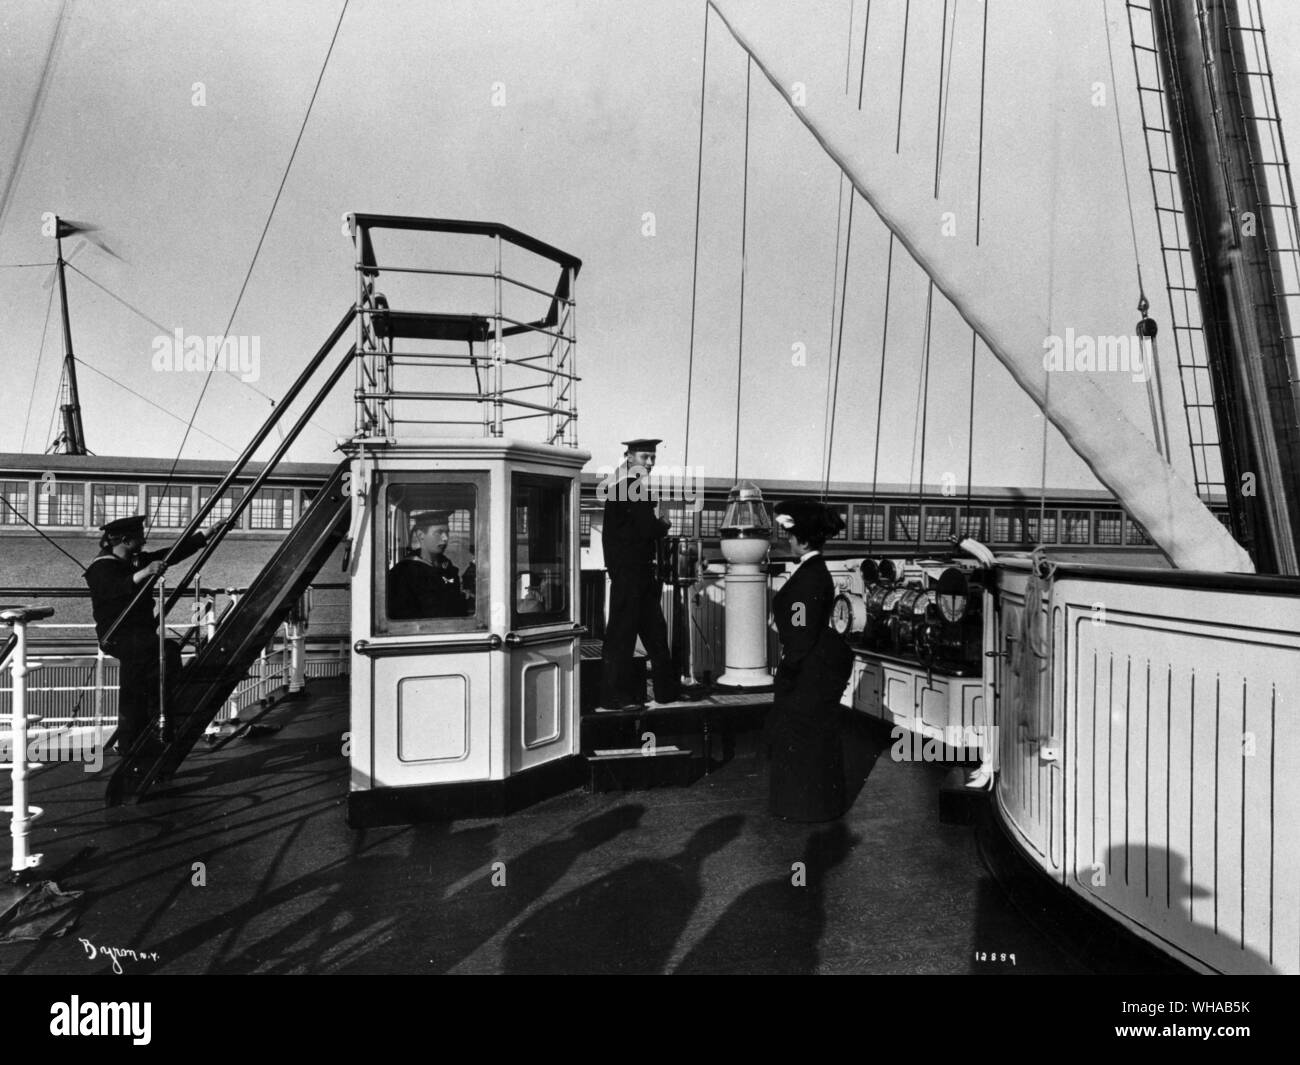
(1147, 764)
(79, 691)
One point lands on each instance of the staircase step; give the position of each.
(612, 753)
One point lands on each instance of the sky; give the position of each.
(169, 126)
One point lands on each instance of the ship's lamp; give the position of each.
(745, 535)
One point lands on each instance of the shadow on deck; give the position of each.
(244, 864)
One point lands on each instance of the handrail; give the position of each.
(146, 586)
(246, 500)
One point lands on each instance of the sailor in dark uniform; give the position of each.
(630, 538)
(114, 577)
(803, 731)
(426, 584)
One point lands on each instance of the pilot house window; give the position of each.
(540, 556)
(430, 577)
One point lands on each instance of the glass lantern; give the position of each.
(746, 516)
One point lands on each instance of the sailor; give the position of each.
(114, 576)
(426, 584)
(630, 538)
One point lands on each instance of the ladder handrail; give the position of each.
(246, 500)
(146, 586)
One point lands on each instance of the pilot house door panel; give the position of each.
(430, 732)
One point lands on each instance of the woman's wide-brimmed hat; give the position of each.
(808, 519)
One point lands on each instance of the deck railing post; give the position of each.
(21, 815)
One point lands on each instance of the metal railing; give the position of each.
(505, 348)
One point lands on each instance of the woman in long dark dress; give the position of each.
(804, 739)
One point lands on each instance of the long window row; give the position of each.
(77, 504)
(894, 524)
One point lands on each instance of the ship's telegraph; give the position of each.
(914, 612)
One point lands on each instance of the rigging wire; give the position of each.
(256, 251)
(832, 390)
(942, 122)
(902, 78)
(866, 34)
(39, 531)
(924, 404)
(744, 226)
(1123, 155)
(848, 52)
(158, 325)
(23, 266)
(970, 442)
(33, 113)
(835, 284)
(839, 349)
(880, 396)
(695, 262)
(979, 166)
(54, 414)
(36, 376)
(81, 361)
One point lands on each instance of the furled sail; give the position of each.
(1119, 454)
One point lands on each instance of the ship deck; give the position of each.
(683, 880)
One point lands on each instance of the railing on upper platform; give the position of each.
(521, 350)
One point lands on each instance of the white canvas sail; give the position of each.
(1117, 451)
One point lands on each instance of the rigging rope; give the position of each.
(36, 376)
(695, 263)
(835, 284)
(862, 75)
(256, 252)
(832, 390)
(81, 361)
(744, 226)
(839, 348)
(979, 166)
(925, 405)
(970, 443)
(848, 53)
(1123, 156)
(54, 414)
(158, 325)
(942, 122)
(902, 78)
(39, 531)
(880, 398)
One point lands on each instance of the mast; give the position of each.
(1241, 282)
(73, 434)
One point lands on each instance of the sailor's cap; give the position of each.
(642, 444)
(422, 519)
(132, 527)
